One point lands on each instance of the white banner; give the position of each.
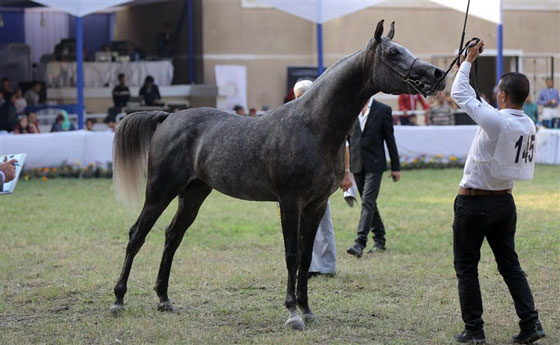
(233, 80)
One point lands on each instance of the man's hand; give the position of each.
(8, 168)
(395, 175)
(346, 182)
(475, 51)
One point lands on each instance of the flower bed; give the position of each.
(65, 170)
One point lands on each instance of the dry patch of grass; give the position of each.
(62, 246)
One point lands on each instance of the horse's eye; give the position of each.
(393, 52)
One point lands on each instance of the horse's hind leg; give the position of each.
(157, 200)
(190, 200)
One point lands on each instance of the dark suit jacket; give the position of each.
(366, 149)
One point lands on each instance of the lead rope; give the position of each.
(474, 80)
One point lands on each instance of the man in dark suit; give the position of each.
(367, 162)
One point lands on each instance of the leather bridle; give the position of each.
(416, 84)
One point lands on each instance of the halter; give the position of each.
(415, 84)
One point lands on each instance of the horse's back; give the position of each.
(223, 150)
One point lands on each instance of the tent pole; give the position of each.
(190, 38)
(80, 71)
(320, 67)
(500, 46)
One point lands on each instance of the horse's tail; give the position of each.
(130, 152)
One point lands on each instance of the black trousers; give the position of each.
(493, 217)
(368, 184)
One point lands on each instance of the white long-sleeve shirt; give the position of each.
(478, 173)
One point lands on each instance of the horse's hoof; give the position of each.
(166, 306)
(309, 317)
(116, 309)
(295, 322)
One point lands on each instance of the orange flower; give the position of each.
(45, 169)
(44, 178)
(53, 169)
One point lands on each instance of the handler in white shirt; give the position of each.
(502, 151)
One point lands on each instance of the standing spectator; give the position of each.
(62, 123)
(33, 122)
(8, 113)
(121, 93)
(440, 113)
(1, 97)
(150, 92)
(323, 260)
(549, 99)
(239, 110)
(484, 206)
(166, 42)
(531, 109)
(32, 96)
(20, 102)
(89, 125)
(5, 86)
(408, 103)
(367, 162)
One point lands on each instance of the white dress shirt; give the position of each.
(482, 155)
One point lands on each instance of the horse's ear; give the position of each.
(391, 33)
(379, 31)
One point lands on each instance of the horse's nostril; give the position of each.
(438, 73)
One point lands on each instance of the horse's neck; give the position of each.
(333, 104)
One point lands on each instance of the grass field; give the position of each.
(62, 245)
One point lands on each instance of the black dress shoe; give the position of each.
(377, 247)
(355, 250)
(471, 337)
(529, 335)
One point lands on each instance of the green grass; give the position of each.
(62, 244)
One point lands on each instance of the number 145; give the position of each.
(528, 151)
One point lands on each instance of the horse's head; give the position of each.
(396, 70)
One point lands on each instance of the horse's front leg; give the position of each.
(310, 219)
(290, 214)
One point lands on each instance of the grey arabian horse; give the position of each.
(293, 155)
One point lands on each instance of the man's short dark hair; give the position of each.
(517, 87)
(237, 108)
(121, 75)
(5, 79)
(90, 120)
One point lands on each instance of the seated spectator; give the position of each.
(441, 112)
(20, 102)
(33, 122)
(239, 110)
(530, 108)
(8, 113)
(5, 86)
(32, 95)
(121, 93)
(253, 112)
(412, 120)
(62, 123)
(23, 126)
(112, 126)
(89, 124)
(166, 42)
(410, 102)
(150, 92)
